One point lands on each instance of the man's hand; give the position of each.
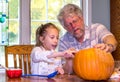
(105, 47)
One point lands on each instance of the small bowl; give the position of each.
(14, 73)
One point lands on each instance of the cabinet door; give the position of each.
(115, 24)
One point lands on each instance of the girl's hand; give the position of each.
(70, 53)
(60, 70)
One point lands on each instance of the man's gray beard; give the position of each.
(80, 36)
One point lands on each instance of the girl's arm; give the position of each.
(67, 54)
(56, 54)
(38, 55)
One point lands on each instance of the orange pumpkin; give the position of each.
(93, 64)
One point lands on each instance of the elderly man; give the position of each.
(80, 36)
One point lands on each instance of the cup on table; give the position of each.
(14, 73)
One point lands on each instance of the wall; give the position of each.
(101, 12)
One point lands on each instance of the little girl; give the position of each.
(44, 59)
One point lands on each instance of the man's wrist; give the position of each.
(111, 47)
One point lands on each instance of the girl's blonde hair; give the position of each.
(41, 31)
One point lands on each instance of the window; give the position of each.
(47, 12)
(13, 22)
(12, 30)
(3, 22)
(42, 11)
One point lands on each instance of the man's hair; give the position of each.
(67, 10)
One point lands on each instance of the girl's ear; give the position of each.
(41, 39)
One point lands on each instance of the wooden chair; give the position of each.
(20, 55)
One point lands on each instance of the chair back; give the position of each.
(19, 56)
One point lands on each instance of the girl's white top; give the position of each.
(40, 64)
